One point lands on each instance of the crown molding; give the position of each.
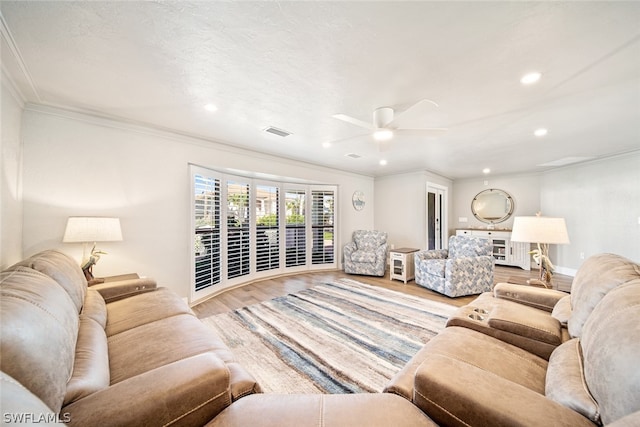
(14, 67)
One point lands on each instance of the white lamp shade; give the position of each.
(539, 229)
(92, 229)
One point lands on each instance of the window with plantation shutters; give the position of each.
(267, 231)
(246, 228)
(207, 231)
(238, 229)
(322, 216)
(295, 225)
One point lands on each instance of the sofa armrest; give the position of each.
(190, 391)
(120, 289)
(541, 298)
(454, 392)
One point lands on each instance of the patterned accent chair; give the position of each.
(367, 253)
(466, 268)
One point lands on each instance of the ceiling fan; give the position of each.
(386, 124)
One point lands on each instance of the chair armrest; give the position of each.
(349, 248)
(190, 391)
(541, 298)
(120, 289)
(431, 254)
(381, 252)
(453, 392)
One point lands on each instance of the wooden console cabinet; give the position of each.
(505, 251)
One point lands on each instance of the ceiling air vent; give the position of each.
(353, 155)
(277, 131)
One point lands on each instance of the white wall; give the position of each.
(81, 165)
(10, 190)
(600, 202)
(524, 189)
(400, 209)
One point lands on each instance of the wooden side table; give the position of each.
(402, 265)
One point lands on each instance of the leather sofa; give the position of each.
(127, 353)
(548, 358)
(146, 360)
(138, 355)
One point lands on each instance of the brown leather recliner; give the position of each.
(465, 376)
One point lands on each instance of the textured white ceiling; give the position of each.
(293, 65)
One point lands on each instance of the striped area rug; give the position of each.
(339, 337)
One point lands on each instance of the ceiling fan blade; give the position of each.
(353, 121)
(428, 132)
(414, 114)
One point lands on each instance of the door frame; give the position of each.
(442, 190)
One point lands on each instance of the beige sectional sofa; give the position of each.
(141, 358)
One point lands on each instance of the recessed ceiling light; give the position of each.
(486, 170)
(530, 78)
(540, 132)
(383, 134)
(211, 108)
(383, 162)
(326, 144)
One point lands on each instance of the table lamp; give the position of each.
(91, 229)
(543, 231)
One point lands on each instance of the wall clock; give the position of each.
(358, 200)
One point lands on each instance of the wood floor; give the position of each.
(267, 289)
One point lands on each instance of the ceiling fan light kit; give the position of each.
(385, 124)
(382, 134)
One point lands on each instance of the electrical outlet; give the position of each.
(581, 255)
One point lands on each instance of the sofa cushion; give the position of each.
(565, 381)
(595, 278)
(94, 307)
(38, 331)
(158, 343)
(148, 307)
(527, 322)
(562, 310)
(18, 403)
(611, 352)
(64, 270)
(91, 366)
(504, 360)
(321, 410)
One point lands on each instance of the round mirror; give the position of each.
(492, 206)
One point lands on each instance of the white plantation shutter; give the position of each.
(238, 229)
(207, 231)
(267, 232)
(295, 225)
(322, 220)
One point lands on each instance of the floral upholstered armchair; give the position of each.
(367, 253)
(466, 268)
